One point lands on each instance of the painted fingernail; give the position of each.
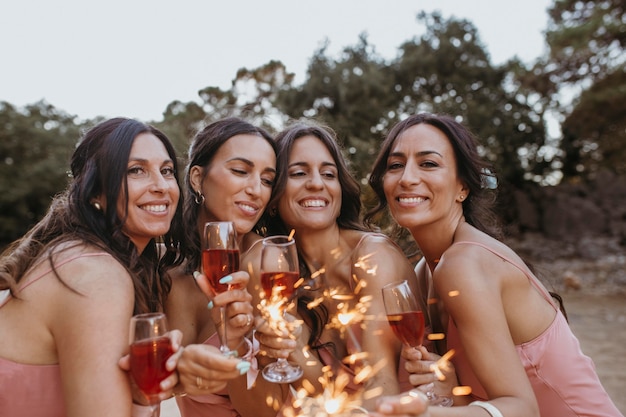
(226, 279)
(196, 274)
(210, 305)
(243, 367)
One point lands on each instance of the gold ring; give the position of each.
(199, 383)
(249, 322)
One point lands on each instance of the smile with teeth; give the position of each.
(159, 208)
(314, 203)
(247, 207)
(411, 200)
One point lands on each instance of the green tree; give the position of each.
(448, 70)
(35, 143)
(351, 94)
(251, 97)
(587, 40)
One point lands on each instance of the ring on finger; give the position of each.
(249, 320)
(200, 383)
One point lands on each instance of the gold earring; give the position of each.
(461, 197)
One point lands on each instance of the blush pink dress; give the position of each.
(218, 404)
(563, 378)
(32, 390)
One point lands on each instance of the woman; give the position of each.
(230, 176)
(319, 200)
(72, 283)
(512, 344)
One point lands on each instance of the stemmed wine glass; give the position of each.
(279, 274)
(220, 257)
(407, 322)
(150, 347)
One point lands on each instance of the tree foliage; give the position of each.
(35, 145)
(587, 40)
(360, 95)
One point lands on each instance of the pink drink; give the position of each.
(147, 363)
(284, 280)
(216, 264)
(408, 327)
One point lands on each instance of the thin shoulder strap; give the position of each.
(60, 264)
(532, 278)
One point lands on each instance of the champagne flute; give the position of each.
(279, 273)
(407, 322)
(220, 257)
(150, 347)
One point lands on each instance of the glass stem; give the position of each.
(224, 345)
(155, 410)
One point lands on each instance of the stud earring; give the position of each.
(97, 206)
(461, 197)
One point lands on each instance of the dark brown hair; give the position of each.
(475, 173)
(99, 166)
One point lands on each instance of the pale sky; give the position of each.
(133, 57)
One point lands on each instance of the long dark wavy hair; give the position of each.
(349, 214)
(203, 148)
(472, 170)
(98, 167)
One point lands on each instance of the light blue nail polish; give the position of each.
(243, 367)
(226, 279)
(210, 305)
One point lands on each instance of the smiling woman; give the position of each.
(73, 282)
(230, 178)
(483, 298)
(317, 198)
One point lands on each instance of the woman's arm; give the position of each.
(90, 326)
(379, 262)
(470, 285)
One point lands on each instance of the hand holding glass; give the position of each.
(220, 257)
(279, 274)
(150, 347)
(407, 322)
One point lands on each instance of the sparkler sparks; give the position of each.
(340, 390)
(334, 400)
(442, 365)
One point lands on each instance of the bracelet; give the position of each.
(250, 356)
(488, 407)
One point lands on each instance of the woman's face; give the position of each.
(421, 183)
(312, 196)
(153, 192)
(238, 183)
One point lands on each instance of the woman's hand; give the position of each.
(203, 369)
(419, 364)
(168, 384)
(238, 304)
(409, 404)
(274, 342)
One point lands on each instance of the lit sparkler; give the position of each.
(336, 397)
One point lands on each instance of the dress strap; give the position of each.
(60, 264)
(523, 268)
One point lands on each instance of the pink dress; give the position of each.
(32, 390)
(563, 378)
(218, 404)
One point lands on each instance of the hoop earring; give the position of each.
(198, 198)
